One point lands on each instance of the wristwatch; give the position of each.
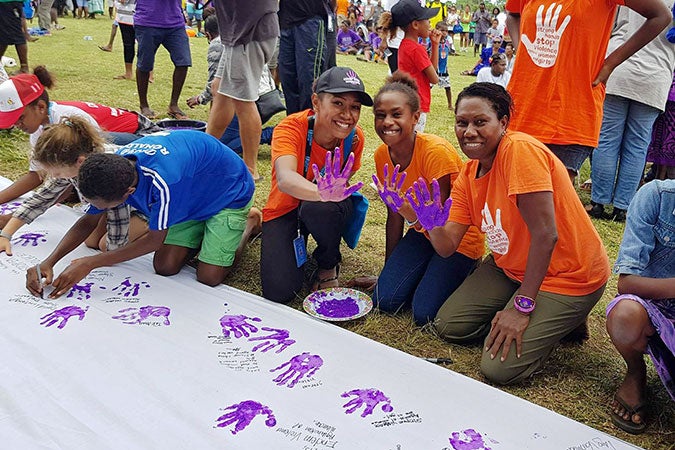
(523, 304)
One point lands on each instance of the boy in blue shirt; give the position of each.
(444, 50)
(196, 193)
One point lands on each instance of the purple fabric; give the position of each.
(661, 346)
(347, 38)
(159, 13)
(661, 149)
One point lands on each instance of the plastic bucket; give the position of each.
(182, 124)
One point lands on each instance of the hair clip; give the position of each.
(68, 123)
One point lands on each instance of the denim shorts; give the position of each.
(572, 155)
(175, 40)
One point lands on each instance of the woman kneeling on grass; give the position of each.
(548, 266)
(296, 207)
(642, 318)
(414, 274)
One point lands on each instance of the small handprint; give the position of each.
(243, 413)
(333, 183)
(80, 291)
(32, 239)
(368, 397)
(544, 49)
(62, 315)
(468, 439)
(496, 237)
(389, 189)
(430, 213)
(299, 366)
(138, 315)
(278, 338)
(128, 289)
(238, 325)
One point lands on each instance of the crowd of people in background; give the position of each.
(606, 95)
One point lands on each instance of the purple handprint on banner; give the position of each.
(238, 325)
(128, 289)
(369, 397)
(431, 214)
(9, 208)
(468, 439)
(278, 338)
(304, 365)
(333, 183)
(80, 291)
(62, 315)
(389, 188)
(138, 315)
(32, 239)
(243, 413)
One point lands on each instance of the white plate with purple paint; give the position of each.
(337, 304)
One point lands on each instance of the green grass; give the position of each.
(577, 382)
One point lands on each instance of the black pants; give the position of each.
(392, 60)
(281, 278)
(128, 42)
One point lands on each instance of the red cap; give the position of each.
(15, 94)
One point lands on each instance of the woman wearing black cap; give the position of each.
(297, 207)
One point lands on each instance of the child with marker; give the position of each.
(413, 18)
(196, 193)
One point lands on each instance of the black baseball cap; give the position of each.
(338, 80)
(406, 11)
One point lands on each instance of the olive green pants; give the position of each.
(466, 316)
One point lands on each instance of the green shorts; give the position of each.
(218, 236)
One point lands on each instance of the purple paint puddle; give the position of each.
(62, 315)
(243, 413)
(369, 398)
(10, 207)
(468, 439)
(128, 289)
(140, 315)
(29, 239)
(338, 309)
(238, 325)
(278, 338)
(299, 366)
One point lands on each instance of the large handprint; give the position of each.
(243, 413)
(390, 187)
(280, 336)
(544, 49)
(138, 315)
(304, 365)
(497, 239)
(430, 213)
(368, 397)
(238, 325)
(62, 315)
(332, 184)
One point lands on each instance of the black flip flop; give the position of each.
(628, 425)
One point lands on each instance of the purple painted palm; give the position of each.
(299, 366)
(333, 184)
(430, 213)
(241, 414)
(369, 398)
(389, 189)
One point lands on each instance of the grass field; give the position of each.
(577, 381)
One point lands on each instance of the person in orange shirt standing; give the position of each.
(341, 9)
(548, 266)
(414, 274)
(558, 80)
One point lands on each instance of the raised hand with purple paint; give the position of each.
(243, 413)
(278, 338)
(29, 239)
(430, 212)
(299, 366)
(238, 325)
(128, 289)
(389, 189)
(369, 397)
(333, 184)
(138, 315)
(62, 315)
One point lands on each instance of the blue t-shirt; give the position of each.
(185, 175)
(443, 52)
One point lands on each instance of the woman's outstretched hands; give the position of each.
(333, 184)
(389, 189)
(430, 213)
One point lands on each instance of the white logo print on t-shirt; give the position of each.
(496, 237)
(544, 49)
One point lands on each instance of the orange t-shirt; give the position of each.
(341, 8)
(551, 81)
(579, 263)
(433, 157)
(290, 138)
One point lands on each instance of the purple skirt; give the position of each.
(661, 346)
(662, 147)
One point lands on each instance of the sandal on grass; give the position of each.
(319, 283)
(628, 425)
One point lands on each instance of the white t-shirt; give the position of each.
(485, 76)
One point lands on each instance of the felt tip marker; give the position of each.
(439, 360)
(39, 274)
